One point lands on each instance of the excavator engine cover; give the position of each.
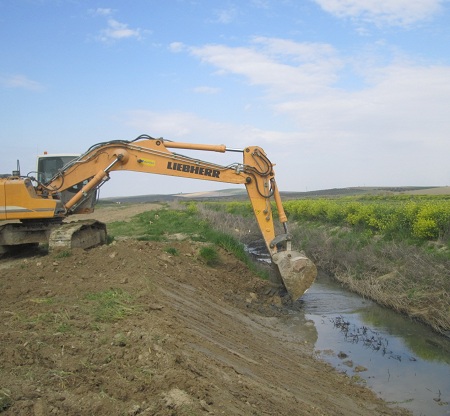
(297, 272)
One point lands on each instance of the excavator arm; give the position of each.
(149, 155)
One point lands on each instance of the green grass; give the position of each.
(244, 209)
(417, 219)
(51, 312)
(110, 305)
(160, 224)
(157, 225)
(210, 256)
(172, 251)
(63, 254)
(5, 399)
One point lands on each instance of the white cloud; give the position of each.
(305, 67)
(397, 100)
(185, 126)
(298, 51)
(173, 125)
(117, 30)
(102, 12)
(176, 47)
(20, 81)
(405, 105)
(225, 16)
(391, 12)
(392, 126)
(389, 129)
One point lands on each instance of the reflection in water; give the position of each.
(371, 339)
(423, 342)
(404, 362)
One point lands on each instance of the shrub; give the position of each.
(210, 255)
(397, 217)
(425, 228)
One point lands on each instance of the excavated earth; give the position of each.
(145, 328)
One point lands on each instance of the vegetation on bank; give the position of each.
(392, 249)
(163, 224)
(419, 218)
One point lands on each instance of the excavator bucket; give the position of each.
(296, 271)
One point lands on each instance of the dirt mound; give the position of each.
(143, 328)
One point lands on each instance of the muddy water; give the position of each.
(404, 362)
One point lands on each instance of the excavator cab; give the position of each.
(48, 166)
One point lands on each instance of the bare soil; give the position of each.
(177, 338)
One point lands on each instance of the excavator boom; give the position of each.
(84, 175)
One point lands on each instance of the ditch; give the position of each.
(403, 361)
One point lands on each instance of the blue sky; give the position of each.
(337, 92)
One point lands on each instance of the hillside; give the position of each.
(240, 194)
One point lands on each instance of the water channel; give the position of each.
(404, 362)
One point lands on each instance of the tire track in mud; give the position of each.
(254, 352)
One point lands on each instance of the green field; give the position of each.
(417, 218)
(394, 249)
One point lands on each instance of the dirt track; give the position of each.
(190, 339)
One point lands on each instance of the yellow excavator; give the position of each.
(33, 210)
